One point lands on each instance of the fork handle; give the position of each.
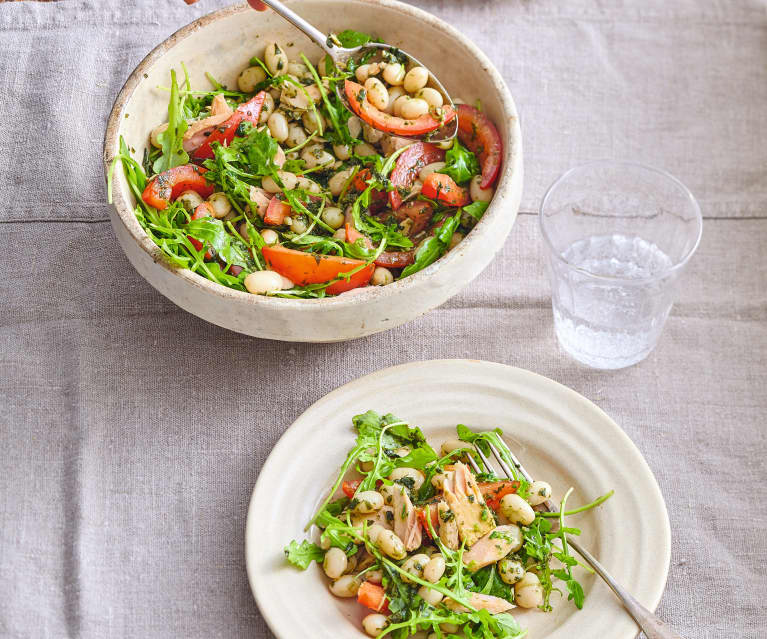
(650, 623)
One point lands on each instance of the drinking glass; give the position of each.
(618, 236)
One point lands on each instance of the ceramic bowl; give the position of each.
(222, 43)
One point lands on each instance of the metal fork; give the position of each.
(649, 623)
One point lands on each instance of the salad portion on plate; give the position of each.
(273, 187)
(435, 542)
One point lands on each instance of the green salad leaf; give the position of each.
(172, 139)
(435, 246)
(303, 554)
(476, 209)
(460, 163)
(350, 39)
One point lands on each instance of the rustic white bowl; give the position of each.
(222, 43)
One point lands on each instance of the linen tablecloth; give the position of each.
(131, 432)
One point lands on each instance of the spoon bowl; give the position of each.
(342, 56)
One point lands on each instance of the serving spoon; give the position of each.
(341, 56)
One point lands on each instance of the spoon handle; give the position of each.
(297, 21)
(651, 624)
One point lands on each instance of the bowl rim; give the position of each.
(511, 174)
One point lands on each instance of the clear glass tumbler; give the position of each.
(618, 235)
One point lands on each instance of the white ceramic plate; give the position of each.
(559, 435)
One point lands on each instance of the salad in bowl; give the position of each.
(273, 187)
(435, 543)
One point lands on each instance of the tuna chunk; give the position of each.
(406, 523)
(493, 547)
(448, 529)
(464, 498)
(492, 604)
(199, 130)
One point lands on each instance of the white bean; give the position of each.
(276, 59)
(391, 545)
(310, 121)
(315, 155)
(374, 624)
(278, 126)
(528, 592)
(362, 73)
(429, 595)
(342, 151)
(432, 97)
(394, 93)
(511, 571)
(449, 445)
(270, 236)
(346, 586)
(190, 200)
(340, 234)
(368, 501)
(374, 532)
(279, 157)
(363, 149)
(308, 185)
(434, 569)
(335, 563)
(397, 104)
(296, 135)
(262, 282)
(425, 172)
(394, 73)
(288, 179)
(219, 205)
(402, 473)
(517, 510)
(416, 79)
(250, 78)
(414, 108)
(299, 70)
(381, 276)
(376, 93)
(414, 565)
(333, 217)
(538, 492)
(337, 181)
(478, 194)
(387, 492)
(324, 542)
(153, 136)
(299, 224)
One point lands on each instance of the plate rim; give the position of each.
(534, 377)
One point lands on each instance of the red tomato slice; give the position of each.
(395, 259)
(478, 133)
(412, 160)
(350, 487)
(203, 210)
(372, 596)
(419, 212)
(276, 212)
(434, 516)
(494, 491)
(443, 188)
(310, 268)
(352, 235)
(391, 123)
(224, 134)
(168, 185)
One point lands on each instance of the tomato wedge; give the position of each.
(350, 487)
(376, 118)
(276, 212)
(372, 596)
(419, 212)
(168, 185)
(494, 491)
(443, 188)
(412, 160)
(311, 268)
(478, 133)
(433, 515)
(224, 134)
(203, 210)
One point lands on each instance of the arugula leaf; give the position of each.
(228, 247)
(350, 39)
(476, 209)
(434, 247)
(303, 554)
(460, 163)
(172, 139)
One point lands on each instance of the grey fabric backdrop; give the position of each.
(132, 433)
